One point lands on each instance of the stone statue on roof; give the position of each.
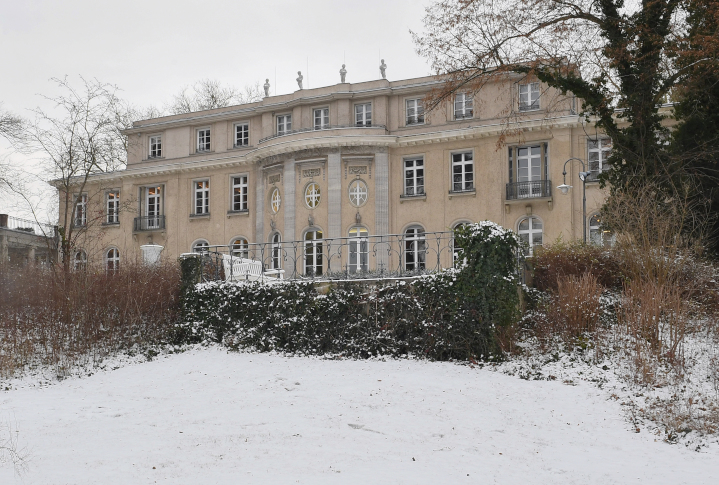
(299, 79)
(343, 73)
(383, 69)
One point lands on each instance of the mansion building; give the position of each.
(348, 160)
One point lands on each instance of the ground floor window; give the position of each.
(240, 247)
(530, 230)
(415, 252)
(276, 251)
(358, 250)
(200, 245)
(313, 253)
(112, 260)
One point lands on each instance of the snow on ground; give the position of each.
(209, 416)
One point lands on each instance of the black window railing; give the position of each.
(529, 190)
(149, 223)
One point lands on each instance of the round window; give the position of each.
(312, 195)
(358, 193)
(275, 200)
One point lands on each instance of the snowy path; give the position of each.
(207, 416)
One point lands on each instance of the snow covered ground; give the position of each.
(208, 416)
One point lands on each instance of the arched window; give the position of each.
(313, 252)
(358, 250)
(530, 231)
(200, 246)
(276, 250)
(456, 250)
(597, 234)
(79, 260)
(112, 260)
(312, 195)
(240, 247)
(415, 252)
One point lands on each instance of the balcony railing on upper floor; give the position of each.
(149, 223)
(529, 190)
(27, 226)
(331, 127)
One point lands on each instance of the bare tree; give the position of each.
(79, 138)
(211, 94)
(11, 126)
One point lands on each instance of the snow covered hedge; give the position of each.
(454, 314)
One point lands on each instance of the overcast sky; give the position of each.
(151, 49)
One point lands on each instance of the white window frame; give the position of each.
(529, 235)
(597, 235)
(112, 207)
(112, 260)
(602, 151)
(358, 256)
(153, 217)
(275, 250)
(409, 174)
(529, 96)
(415, 248)
(79, 214)
(275, 200)
(313, 255)
(242, 134)
(201, 197)
(463, 173)
(312, 195)
(463, 106)
(79, 260)
(204, 140)
(284, 123)
(414, 111)
(456, 250)
(239, 192)
(358, 192)
(155, 146)
(363, 114)
(240, 247)
(199, 243)
(321, 118)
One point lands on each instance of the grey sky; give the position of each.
(151, 49)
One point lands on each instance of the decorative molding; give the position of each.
(311, 172)
(274, 179)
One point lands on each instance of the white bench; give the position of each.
(242, 269)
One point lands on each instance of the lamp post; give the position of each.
(565, 190)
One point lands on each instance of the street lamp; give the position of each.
(564, 188)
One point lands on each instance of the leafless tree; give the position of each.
(210, 94)
(11, 126)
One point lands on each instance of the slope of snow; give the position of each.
(209, 416)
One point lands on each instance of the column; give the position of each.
(334, 196)
(260, 207)
(289, 196)
(381, 200)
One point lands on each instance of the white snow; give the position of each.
(209, 416)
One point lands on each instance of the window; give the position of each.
(79, 218)
(528, 96)
(599, 151)
(414, 177)
(275, 200)
(152, 210)
(200, 246)
(363, 114)
(415, 252)
(79, 260)
(358, 250)
(276, 251)
(203, 140)
(284, 124)
(530, 164)
(462, 172)
(112, 260)
(112, 207)
(358, 193)
(530, 231)
(239, 193)
(415, 111)
(313, 253)
(240, 247)
(312, 195)
(457, 259)
(155, 146)
(463, 106)
(322, 118)
(597, 234)
(242, 135)
(202, 197)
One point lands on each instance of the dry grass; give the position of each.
(62, 320)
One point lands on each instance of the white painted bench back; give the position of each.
(242, 269)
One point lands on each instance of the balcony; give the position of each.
(149, 223)
(533, 189)
(319, 129)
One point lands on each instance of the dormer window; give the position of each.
(284, 124)
(363, 114)
(415, 111)
(528, 97)
(203, 140)
(242, 134)
(155, 146)
(322, 118)
(463, 106)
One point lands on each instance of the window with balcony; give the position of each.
(528, 172)
(155, 146)
(414, 177)
(242, 135)
(202, 197)
(598, 152)
(239, 193)
(112, 207)
(151, 209)
(463, 106)
(462, 172)
(203, 140)
(363, 114)
(529, 96)
(284, 124)
(79, 218)
(530, 231)
(322, 118)
(415, 111)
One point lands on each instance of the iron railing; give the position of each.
(332, 127)
(27, 226)
(149, 223)
(529, 190)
